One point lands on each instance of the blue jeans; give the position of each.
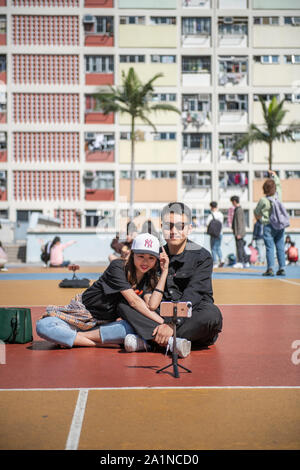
(57, 331)
(274, 239)
(215, 245)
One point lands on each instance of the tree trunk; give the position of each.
(132, 166)
(270, 155)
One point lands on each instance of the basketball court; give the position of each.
(243, 393)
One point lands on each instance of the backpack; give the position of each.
(45, 255)
(279, 218)
(214, 227)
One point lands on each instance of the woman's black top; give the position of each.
(102, 298)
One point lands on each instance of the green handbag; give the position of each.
(15, 325)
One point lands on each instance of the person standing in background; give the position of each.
(214, 229)
(239, 231)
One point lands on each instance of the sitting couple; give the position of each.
(122, 306)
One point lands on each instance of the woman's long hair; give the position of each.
(130, 271)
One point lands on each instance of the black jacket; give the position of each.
(190, 274)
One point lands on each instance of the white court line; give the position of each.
(290, 282)
(75, 429)
(190, 387)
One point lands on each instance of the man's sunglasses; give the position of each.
(177, 225)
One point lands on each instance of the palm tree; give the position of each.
(133, 98)
(271, 132)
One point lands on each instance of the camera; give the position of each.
(184, 309)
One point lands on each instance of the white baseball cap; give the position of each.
(146, 243)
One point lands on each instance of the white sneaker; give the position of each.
(183, 346)
(238, 265)
(133, 343)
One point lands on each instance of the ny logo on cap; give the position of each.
(148, 243)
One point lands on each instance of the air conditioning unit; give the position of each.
(88, 175)
(228, 20)
(89, 19)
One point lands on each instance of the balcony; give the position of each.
(226, 152)
(196, 4)
(233, 109)
(99, 185)
(99, 147)
(232, 32)
(196, 32)
(196, 185)
(232, 183)
(93, 113)
(196, 71)
(233, 71)
(196, 148)
(98, 31)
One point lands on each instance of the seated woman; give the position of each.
(91, 319)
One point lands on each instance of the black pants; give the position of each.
(241, 256)
(202, 328)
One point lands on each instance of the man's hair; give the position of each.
(177, 208)
(235, 199)
(213, 204)
(269, 187)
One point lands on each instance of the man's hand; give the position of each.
(162, 333)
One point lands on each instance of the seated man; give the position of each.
(189, 279)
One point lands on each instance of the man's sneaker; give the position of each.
(269, 272)
(280, 272)
(183, 346)
(238, 265)
(133, 343)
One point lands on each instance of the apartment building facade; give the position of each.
(60, 155)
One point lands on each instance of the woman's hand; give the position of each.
(164, 260)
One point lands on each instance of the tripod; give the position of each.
(174, 362)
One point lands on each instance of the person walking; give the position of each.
(239, 231)
(214, 224)
(273, 238)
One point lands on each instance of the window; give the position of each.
(161, 20)
(195, 26)
(267, 97)
(101, 180)
(266, 59)
(194, 64)
(233, 103)
(132, 19)
(132, 59)
(2, 24)
(232, 178)
(270, 20)
(292, 20)
(196, 179)
(91, 218)
(197, 141)
(163, 174)
(2, 63)
(164, 136)
(160, 97)
(99, 64)
(233, 64)
(295, 213)
(291, 59)
(99, 141)
(163, 59)
(292, 174)
(228, 26)
(138, 174)
(196, 103)
(104, 25)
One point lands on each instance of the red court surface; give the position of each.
(255, 349)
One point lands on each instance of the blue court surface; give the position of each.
(254, 272)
